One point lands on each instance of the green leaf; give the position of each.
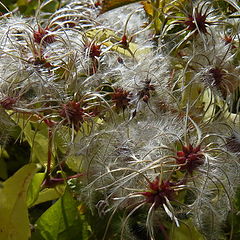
(61, 221)
(7, 126)
(50, 6)
(34, 188)
(49, 194)
(37, 136)
(74, 163)
(186, 231)
(22, 2)
(14, 223)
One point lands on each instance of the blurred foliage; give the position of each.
(29, 7)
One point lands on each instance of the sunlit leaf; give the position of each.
(112, 4)
(34, 188)
(192, 91)
(209, 107)
(61, 221)
(49, 194)
(14, 223)
(74, 163)
(148, 7)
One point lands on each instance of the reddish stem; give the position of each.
(52, 182)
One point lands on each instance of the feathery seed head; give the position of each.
(190, 158)
(94, 50)
(73, 114)
(43, 35)
(121, 98)
(197, 22)
(159, 191)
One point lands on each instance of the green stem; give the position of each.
(49, 160)
(156, 16)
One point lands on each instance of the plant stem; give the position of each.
(156, 16)
(49, 160)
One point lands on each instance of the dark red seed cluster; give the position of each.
(217, 75)
(229, 40)
(159, 191)
(44, 36)
(42, 61)
(98, 3)
(73, 114)
(198, 21)
(233, 143)
(124, 42)
(94, 50)
(145, 93)
(190, 158)
(8, 102)
(121, 98)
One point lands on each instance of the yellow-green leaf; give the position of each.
(186, 231)
(49, 194)
(62, 221)
(34, 188)
(22, 2)
(75, 163)
(36, 136)
(14, 223)
(148, 7)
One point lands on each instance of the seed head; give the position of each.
(42, 35)
(197, 21)
(217, 75)
(72, 113)
(121, 98)
(94, 50)
(8, 102)
(233, 143)
(189, 158)
(144, 93)
(158, 192)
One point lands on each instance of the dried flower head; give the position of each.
(144, 93)
(121, 98)
(197, 21)
(224, 78)
(159, 191)
(73, 114)
(44, 36)
(8, 102)
(93, 50)
(190, 158)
